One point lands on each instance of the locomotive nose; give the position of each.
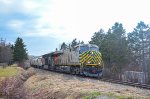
(90, 58)
(94, 58)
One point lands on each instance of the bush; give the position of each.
(12, 87)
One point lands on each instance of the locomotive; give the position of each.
(82, 59)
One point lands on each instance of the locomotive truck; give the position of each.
(83, 59)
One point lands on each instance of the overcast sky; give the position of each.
(45, 24)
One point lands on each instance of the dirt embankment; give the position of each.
(12, 87)
(51, 85)
(41, 84)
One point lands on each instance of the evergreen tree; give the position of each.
(19, 53)
(118, 46)
(139, 42)
(74, 43)
(82, 42)
(63, 46)
(113, 46)
(98, 38)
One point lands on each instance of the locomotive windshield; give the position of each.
(84, 48)
(94, 48)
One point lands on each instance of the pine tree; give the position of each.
(139, 42)
(119, 51)
(113, 46)
(98, 38)
(63, 46)
(82, 42)
(19, 51)
(74, 42)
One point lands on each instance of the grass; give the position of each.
(8, 71)
(121, 97)
(93, 95)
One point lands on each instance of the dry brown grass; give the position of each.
(13, 87)
(48, 85)
(57, 86)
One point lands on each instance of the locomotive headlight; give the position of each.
(99, 63)
(88, 62)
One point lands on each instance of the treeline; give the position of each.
(73, 43)
(6, 55)
(10, 53)
(121, 50)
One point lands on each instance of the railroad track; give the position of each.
(139, 85)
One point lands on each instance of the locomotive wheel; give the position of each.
(49, 67)
(99, 76)
(77, 70)
(42, 66)
(72, 71)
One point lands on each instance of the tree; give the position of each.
(5, 52)
(118, 46)
(98, 38)
(74, 43)
(139, 42)
(113, 45)
(82, 42)
(63, 46)
(19, 53)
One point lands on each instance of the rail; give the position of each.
(139, 85)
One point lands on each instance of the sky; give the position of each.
(45, 24)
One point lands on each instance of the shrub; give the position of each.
(12, 87)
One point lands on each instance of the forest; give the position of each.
(122, 51)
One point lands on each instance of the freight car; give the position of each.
(83, 59)
(38, 62)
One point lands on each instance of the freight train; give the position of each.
(82, 59)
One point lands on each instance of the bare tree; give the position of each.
(5, 52)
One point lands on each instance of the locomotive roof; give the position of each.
(52, 53)
(57, 52)
(90, 45)
(60, 52)
(48, 54)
